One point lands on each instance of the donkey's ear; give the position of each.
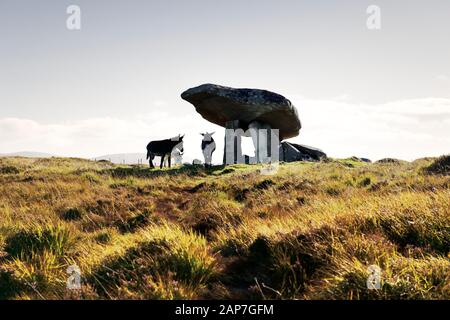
(212, 133)
(181, 137)
(202, 134)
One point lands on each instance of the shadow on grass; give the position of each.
(144, 172)
(9, 285)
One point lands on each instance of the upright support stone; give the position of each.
(232, 145)
(266, 142)
(260, 139)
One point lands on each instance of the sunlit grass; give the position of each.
(309, 231)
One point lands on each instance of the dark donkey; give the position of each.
(163, 148)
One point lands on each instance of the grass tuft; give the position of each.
(26, 243)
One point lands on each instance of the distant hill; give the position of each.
(120, 158)
(131, 158)
(27, 154)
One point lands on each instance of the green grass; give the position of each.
(309, 231)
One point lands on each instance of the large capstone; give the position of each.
(220, 105)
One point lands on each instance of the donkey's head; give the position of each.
(178, 140)
(207, 136)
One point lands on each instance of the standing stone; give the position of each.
(232, 142)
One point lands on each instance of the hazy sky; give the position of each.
(115, 84)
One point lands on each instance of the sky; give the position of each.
(115, 84)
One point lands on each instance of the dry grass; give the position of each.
(310, 231)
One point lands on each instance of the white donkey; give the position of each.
(208, 147)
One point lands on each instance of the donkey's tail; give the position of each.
(148, 154)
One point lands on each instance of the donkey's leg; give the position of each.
(162, 161)
(208, 159)
(205, 157)
(170, 160)
(150, 161)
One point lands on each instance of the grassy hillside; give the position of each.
(308, 232)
